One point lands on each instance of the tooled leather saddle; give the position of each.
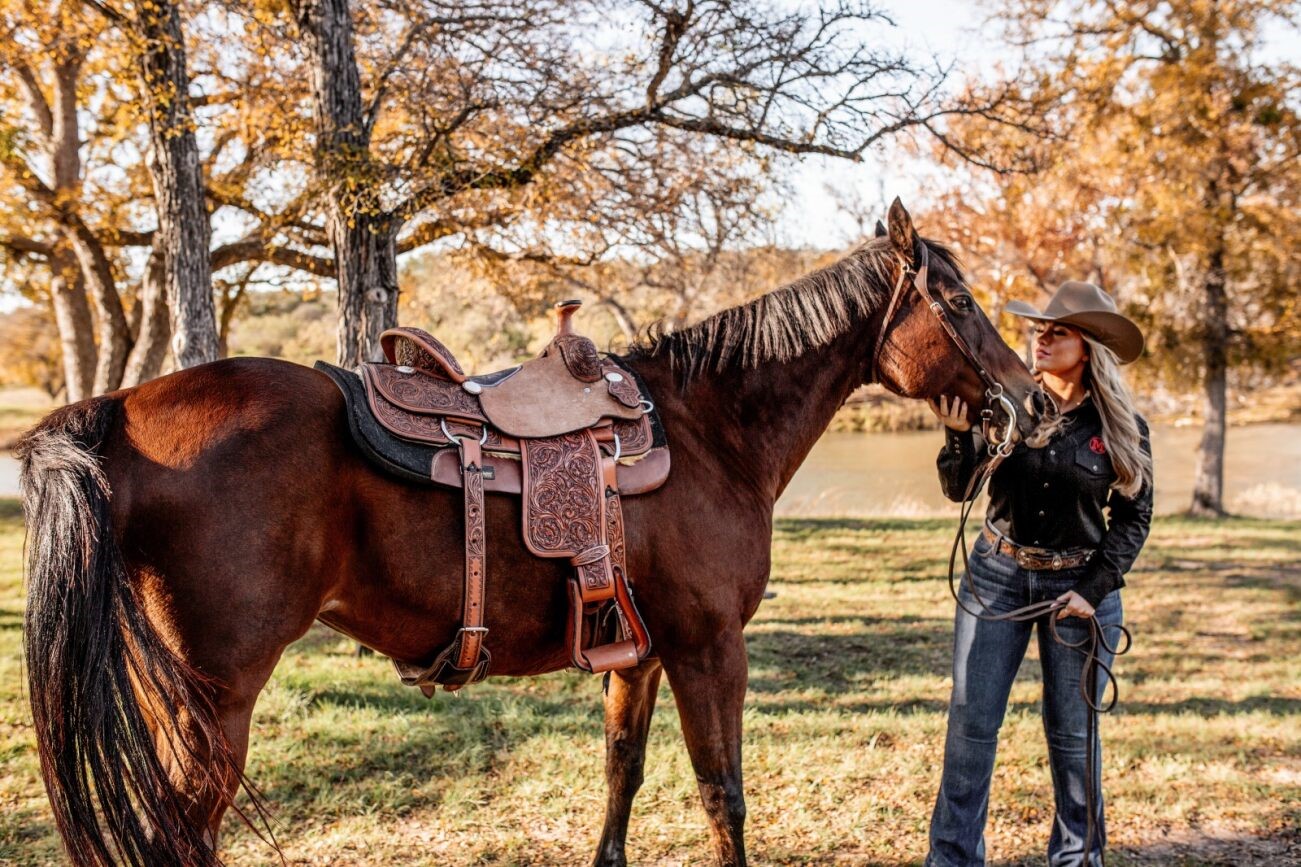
(571, 432)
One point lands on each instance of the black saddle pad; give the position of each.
(408, 460)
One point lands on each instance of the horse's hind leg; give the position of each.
(709, 687)
(205, 758)
(629, 704)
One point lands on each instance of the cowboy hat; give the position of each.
(1088, 308)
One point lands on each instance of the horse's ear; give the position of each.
(880, 230)
(901, 231)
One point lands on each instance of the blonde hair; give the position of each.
(1120, 425)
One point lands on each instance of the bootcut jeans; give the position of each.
(986, 656)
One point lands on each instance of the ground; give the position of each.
(844, 726)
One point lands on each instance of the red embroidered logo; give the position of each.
(1098, 446)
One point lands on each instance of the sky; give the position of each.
(945, 29)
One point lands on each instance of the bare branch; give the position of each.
(107, 11)
(36, 100)
(256, 248)
(22, 246)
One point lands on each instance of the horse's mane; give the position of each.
(789, 321)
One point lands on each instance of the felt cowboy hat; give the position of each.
(1088, 308)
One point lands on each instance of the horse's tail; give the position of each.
(96, 667)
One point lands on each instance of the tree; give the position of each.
(77, 197)
(1175, 170)
(44, 160)
(184, 234)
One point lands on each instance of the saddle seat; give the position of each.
(566, 388)
(570, 432)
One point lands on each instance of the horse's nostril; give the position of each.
(1040, 403)
(1034, 404)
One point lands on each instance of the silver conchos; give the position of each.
(471, 386)
(614, 376)
(405, 368)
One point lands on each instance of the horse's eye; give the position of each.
(961, 302)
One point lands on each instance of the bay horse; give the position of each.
(184, 532)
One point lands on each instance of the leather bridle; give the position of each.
(994, 392)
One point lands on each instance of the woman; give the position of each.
(1045, 538)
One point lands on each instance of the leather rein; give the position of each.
(998, 449)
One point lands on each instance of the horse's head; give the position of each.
(935, 340)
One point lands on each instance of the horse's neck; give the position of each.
(763, 421)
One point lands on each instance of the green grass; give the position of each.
(844, 726)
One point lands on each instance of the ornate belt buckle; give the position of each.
(1023, 559)
(1057, 561)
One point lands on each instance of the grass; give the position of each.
(20, 409)
(844, 726)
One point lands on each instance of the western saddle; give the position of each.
(570, 432)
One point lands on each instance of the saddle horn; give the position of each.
(565, 311)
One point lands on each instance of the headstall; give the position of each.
(994, 393)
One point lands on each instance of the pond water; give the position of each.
(894, 473)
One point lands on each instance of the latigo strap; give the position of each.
(465, 660)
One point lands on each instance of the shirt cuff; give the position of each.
(1095, 587)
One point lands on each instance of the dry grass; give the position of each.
(20, 409)
(844, 726)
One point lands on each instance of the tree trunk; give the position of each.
(1208, 481)
(79, 261)
(76, 329)
(362, 235)
(366, 263)
(627, 324)
(184, 233)
(150, 350)
(111, 326)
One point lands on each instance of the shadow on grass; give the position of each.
(1283, 848)
(840, 663)
(1275, 705)
(386, 759)
(11, 619)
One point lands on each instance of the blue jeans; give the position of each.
(986, 657)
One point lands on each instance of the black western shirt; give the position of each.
(1055, 497)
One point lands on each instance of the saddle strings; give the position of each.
(1088, 647)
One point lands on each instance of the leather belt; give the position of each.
(1028, 557)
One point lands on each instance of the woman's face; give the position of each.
(1059, 349)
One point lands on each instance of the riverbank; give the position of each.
(872, 409)
(844, 724)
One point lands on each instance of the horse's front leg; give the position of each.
(709, 687)
(629, 704)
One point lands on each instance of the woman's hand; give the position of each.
(953, 416)
(1076, 605)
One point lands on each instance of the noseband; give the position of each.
(993, 388)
